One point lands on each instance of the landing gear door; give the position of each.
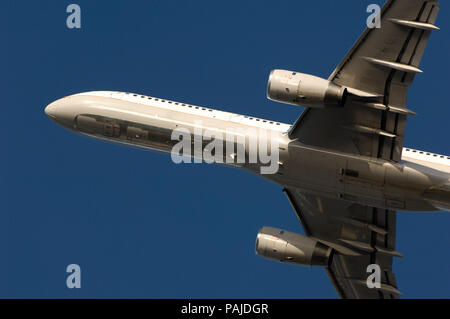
(364, 177)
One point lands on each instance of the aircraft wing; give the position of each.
(360, 235)
(377, 71)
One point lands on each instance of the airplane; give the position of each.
(342, 164)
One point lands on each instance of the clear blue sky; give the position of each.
(141, 226)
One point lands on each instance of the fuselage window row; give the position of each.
(427, 154)
(197, 107)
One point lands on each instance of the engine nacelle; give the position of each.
(292, 248)
(304, 89)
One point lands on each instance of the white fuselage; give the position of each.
(420, 182)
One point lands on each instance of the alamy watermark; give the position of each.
(73, 20)
(374, 20)
(374, 279)
(74, 279)
(232, 145)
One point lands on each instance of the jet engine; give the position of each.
(292, 248)
(304, 89)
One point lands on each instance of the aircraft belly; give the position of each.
(358, 179)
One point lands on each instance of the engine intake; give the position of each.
(304, 89)
(292, 248)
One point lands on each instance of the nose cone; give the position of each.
(62, 111)
(50, 110)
